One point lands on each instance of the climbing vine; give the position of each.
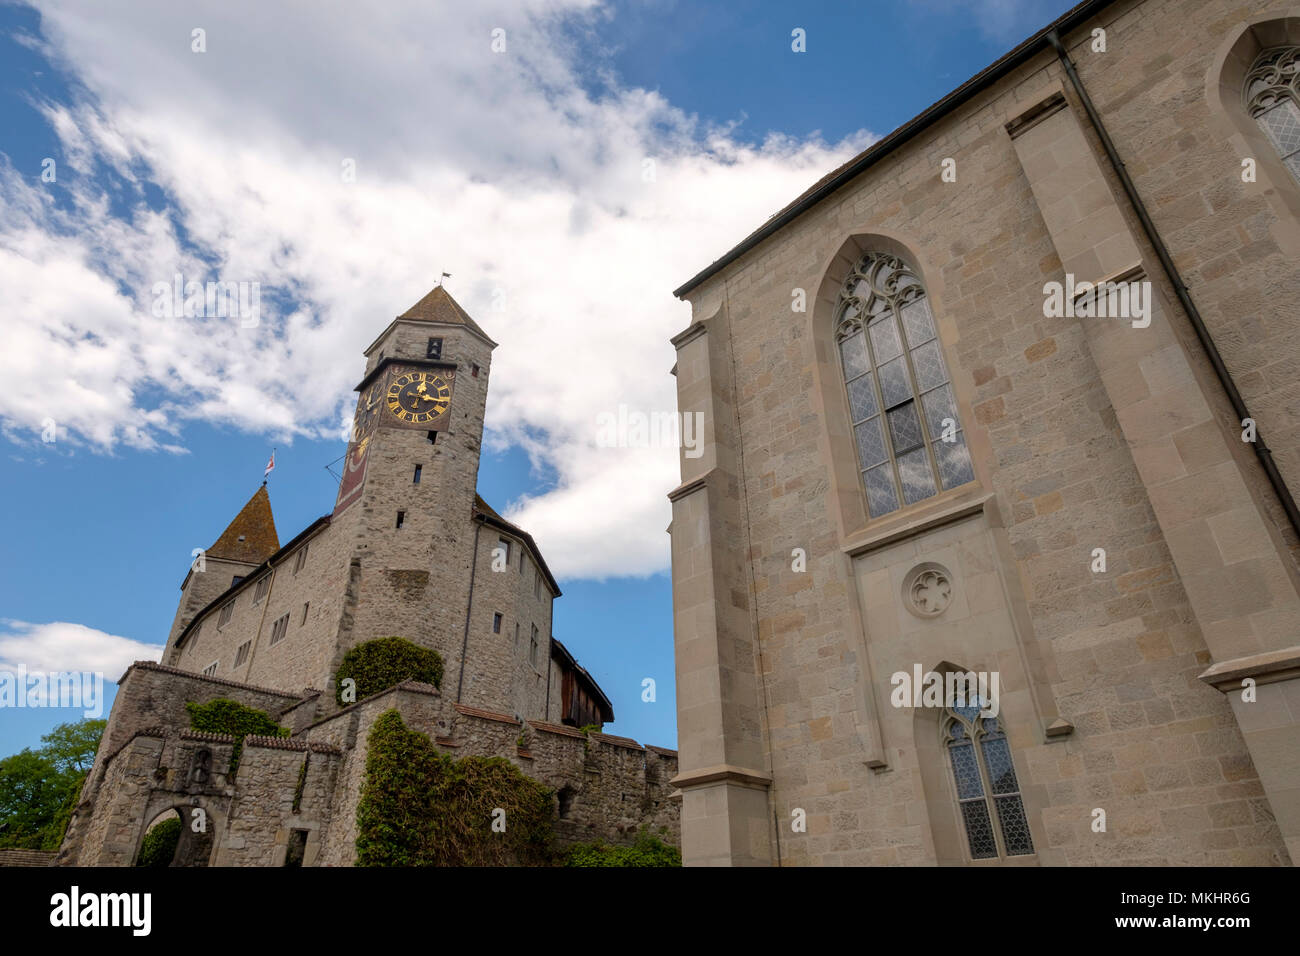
(420, 807)
(225, 716)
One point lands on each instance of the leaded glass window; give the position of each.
(1272, 94)
(988, 793)
(909, 439)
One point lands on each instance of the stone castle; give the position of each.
(409, 550)
(915, 462)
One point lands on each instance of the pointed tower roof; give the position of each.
(439, 306)
(251, 537)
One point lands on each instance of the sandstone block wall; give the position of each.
(1123, 650)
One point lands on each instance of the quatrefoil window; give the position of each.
(927, 590)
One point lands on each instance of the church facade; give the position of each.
(409, 550)
(987, 561)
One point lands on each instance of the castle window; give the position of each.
(306, 605)
(434, 349)
(496, 623)
(473, 371)
(537, 582)
(416, 479)
(433, 437)
(401, 518)
(516, 633)
(1272, 95)
(227, 609)
(909, 439)
(300, 560)
(988, 794)
(281, 627)
(296, 849)
(211, 669)
(259, 592)
(532, 650)
(241, 653)
(504, 545)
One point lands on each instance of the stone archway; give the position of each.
(199, 820)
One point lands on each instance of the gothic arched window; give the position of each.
(986, 785)
(904, 413)
(1272, 95)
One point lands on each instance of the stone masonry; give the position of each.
(411, 551)
(1121, 690)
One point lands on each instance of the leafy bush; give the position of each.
(423, 808)
(225, 716)
(648, 850)
(159, 844)
(379, 664)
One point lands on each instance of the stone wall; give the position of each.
(242, 819)
(613, 786)
(1116, 655)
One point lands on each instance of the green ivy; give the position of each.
(159, 844)
(420, 807)
(225, 716)
(648, 850)
(379, 664)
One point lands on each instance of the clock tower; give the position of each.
(408, 488)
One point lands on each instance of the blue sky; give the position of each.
(522, 173)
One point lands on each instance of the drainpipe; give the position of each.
(1180, 289)
(469, 607)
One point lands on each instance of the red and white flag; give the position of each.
(270, 465)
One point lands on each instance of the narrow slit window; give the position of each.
(415, 480)
(988, 792)
(401, 518)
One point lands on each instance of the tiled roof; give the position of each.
(486, 714)
(168, 669)
(560, 729)
(15, 857)
(251, 537)
(439, 306)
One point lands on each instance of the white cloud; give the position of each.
(65, 647)
(498, 168)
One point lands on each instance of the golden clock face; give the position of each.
(418, 397)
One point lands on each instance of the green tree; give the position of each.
(39, 788)
(72, 746)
